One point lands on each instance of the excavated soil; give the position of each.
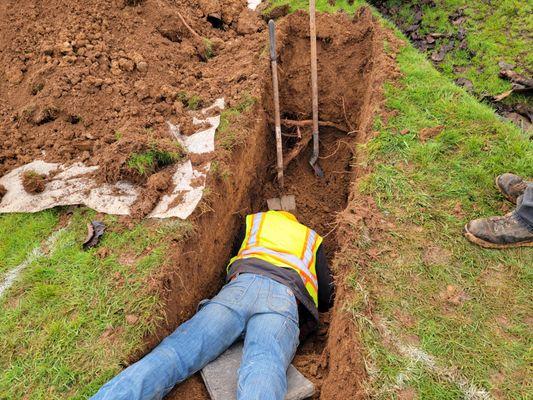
(33, 182)
(96, 80)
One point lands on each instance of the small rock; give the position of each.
(466, 83)
(115, 68)
(505, 66)
(439, 55)
(142, 66)
(126, 65)
(14, 76)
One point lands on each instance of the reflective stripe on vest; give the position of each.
(296, 249)
(294, 261)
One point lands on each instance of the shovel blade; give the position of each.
(283, 203)
(318, 170)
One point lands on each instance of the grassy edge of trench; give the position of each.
(439, 318)
(449, 320)
(73, 317)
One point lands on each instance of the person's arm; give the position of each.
(325, 281)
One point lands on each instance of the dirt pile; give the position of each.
(79, 79)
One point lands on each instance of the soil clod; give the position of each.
(33, 182)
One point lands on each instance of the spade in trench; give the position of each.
(220, 377)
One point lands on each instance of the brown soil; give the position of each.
(96, 80)
(33, 182)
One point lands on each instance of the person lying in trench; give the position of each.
(277, 282)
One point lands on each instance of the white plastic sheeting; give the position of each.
(252, 4)
(73, 184)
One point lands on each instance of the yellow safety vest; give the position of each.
(279, 239)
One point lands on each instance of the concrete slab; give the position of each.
(220, 377)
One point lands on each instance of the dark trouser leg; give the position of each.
(524, 211)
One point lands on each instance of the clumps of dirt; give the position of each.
(33, 182)
(136, 156)
(156, 185)
(75, 81)
(3, 192)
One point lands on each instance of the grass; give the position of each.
(429, 190)
(15, 247)
(148, 162)
(467, 307)
(63, 323)
(192, 102)
(496, 31)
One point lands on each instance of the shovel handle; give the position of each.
(272, 36)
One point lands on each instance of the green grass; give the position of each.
(30, 230)
(496, 31)
(227, 137)
(148, 162)
(63, 324)
(429, 190)
(192, 102)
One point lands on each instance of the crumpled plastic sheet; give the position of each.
(73, 185)
(252, 4)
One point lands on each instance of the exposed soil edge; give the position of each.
(344, 355)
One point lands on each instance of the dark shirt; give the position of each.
(308, 312)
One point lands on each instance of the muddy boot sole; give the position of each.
(490, 245)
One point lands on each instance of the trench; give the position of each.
(346, 50)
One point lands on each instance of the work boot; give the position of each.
(511, 186)
(499, 232)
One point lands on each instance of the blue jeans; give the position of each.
(261, 309)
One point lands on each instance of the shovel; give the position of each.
(274, 63)
(314, 86)
(286, 202)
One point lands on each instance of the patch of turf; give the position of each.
(63, 324)
(21, 233)
(228, 138)
(148, 162)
